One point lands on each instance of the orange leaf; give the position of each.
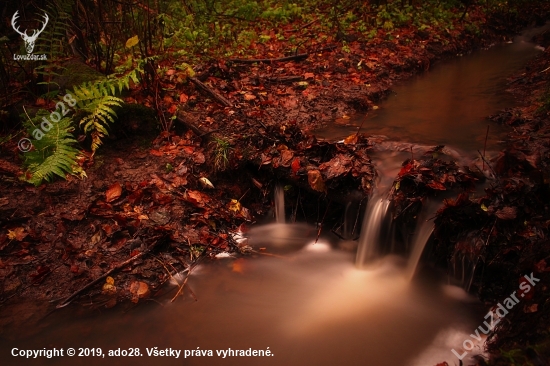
(155, 152)
(295, 166)
(184, 98)
(113, 192)
(309, 75)
(173, 108)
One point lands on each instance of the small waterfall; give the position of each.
(421, 237)
(279, 205)
(422, 233)
(369, 239)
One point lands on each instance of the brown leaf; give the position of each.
(113, 192)
(506, 213)
(286, 156)
(139, 290)
(339, 165)
(315, 180)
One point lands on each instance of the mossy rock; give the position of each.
(76, 72)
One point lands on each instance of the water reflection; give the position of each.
(447, 105)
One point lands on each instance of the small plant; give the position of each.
(221, 152)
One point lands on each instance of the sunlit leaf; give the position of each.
(131, 42)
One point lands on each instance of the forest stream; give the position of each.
(312, 305)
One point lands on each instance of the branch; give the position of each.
(298, 57)
(70, 299)
(214, 94)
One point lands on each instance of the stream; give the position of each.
(312, 305)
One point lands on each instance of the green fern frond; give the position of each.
(54, 152)
(95, 101)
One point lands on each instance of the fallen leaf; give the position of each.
(234, 206)
(351, 139)
(139, 290)
(315, 180)
(18, 234)
(206, 183)
(506, 213)
(113, 192)
(109, 287)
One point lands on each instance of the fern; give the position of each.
(96, 102)
(54, 152)
(54, 42)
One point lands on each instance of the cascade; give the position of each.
(368, 246)
(279, 205)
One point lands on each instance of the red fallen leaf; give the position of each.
(184, 98)
(295, 166)
(315, 180)
(189, 149)
(406, 169)
(436, 185)
(173, 108)
(113, 192)
(506, 213)
(309, 75)
(75, 268)
(155, 152)
(168, 99)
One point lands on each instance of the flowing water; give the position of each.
(310, 304)
(448, 105)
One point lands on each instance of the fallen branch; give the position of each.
(298, 57)
(205, 88)
(70, 299)
(285, 79)
(183, 118)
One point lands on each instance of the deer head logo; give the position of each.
(29, 40)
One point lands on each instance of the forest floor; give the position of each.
(152, 208)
